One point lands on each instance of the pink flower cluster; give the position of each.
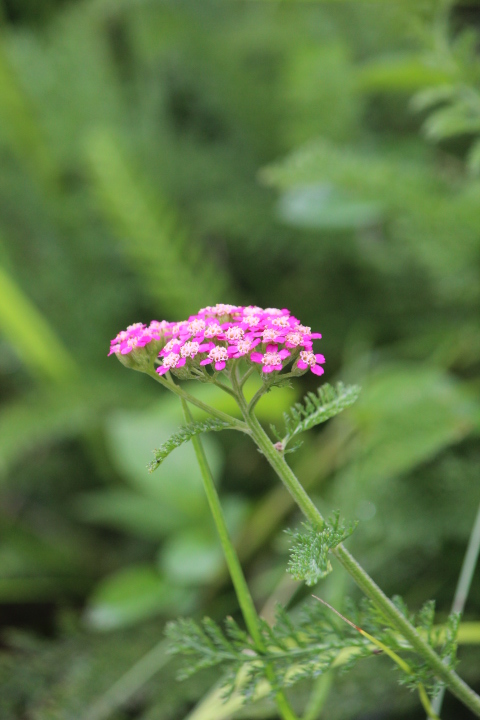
(217, 335)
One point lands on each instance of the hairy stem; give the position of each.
(456, 685)
(238, 579)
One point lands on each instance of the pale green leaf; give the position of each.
(128, 596)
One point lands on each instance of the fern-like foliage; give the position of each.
(310, 549)
(441, 638)
(294, 650)
(306, 646)
(184, 435)
(177, 271)
(315, 409)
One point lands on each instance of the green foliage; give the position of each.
(178, 272)
(132, 137)
(315, 409)
(406, 415)
(31, 334)
(184, 435)
(452, 105)
(294, 650)
(441, 638)
(132, 594)
(415, 206)
(305, 647)
(309, 551)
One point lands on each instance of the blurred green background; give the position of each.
(158, 156)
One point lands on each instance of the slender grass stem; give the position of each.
(129, 683)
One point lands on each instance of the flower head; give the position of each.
(219, 336)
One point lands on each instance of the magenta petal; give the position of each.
(315, 336)
(181, 363)
(162, 370)
(207, 361)
(318, 370)
(256, 357)
(319, 358)
(220, 365)
(255, 342)
(205, 347)
(272, 348)
(284, 353)
(302, 365)
(268, 368)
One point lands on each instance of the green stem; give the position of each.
(456, 685)
(319, 695)
(392, 654)
(238, 579)
(260, 392)
(424, 699)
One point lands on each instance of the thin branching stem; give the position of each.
(222, 386)
(170, 385)
(260, 392)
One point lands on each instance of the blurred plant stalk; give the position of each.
(463, 587)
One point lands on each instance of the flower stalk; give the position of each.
(242, 591)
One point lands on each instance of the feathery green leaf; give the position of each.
(309, 554)
(316, 409)
(299, 649)
(184, 435)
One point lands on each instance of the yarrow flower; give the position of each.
(310, 360)
(216, 337)
(271, 359)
